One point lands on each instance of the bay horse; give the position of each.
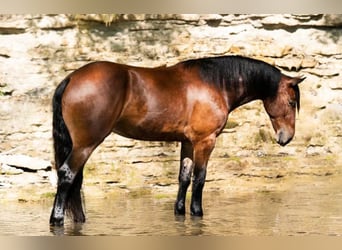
(188, 102)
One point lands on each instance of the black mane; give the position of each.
(230, 71)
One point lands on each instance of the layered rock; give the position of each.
(38, 51)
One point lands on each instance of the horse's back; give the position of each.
(98, 72)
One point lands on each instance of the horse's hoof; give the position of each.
(179, 212)
(179, 208)
(199, 214)
(196, 212)
(80, 220)
(56, 222)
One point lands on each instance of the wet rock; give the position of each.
(8, 170)
(25, 162)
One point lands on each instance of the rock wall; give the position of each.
(37, 51)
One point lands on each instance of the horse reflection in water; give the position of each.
(188, 102)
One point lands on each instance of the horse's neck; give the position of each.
(241, 96)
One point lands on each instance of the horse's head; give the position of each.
(282, 108)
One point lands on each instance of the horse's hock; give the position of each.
(37, 51)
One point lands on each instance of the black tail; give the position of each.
(61, 138)
(62, 144)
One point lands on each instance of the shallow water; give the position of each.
(311, 206)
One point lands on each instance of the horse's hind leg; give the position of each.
(184, 178)
(68, 196)
(74, 199)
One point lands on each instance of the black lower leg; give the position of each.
(74, 200)
(202, 151)
(57, 213)
(184, 182)
(65, 180)
(197, 189)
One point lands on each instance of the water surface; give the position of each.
(312, 206)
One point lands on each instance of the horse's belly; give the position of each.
(150, 131)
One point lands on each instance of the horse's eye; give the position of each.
(292, 103)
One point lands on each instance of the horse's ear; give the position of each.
(296, 80)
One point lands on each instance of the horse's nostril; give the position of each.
(280, 135)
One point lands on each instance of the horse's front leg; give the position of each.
(184, 178)
(202, 151)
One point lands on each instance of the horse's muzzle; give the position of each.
(283, 137)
